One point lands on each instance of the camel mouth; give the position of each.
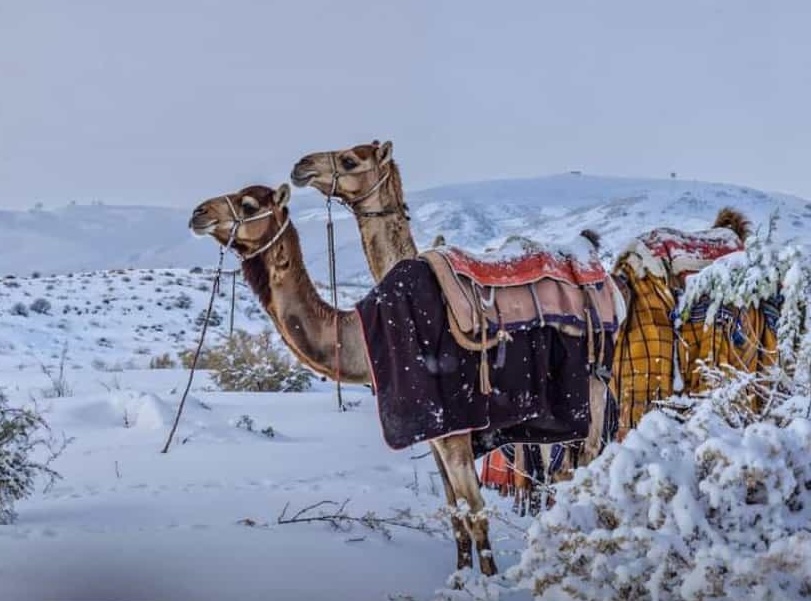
(301, 180)
(203, 229)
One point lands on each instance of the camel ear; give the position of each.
(384, 152)
(282, 195)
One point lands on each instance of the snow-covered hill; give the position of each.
(477, 215)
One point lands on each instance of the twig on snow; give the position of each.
(341, 521)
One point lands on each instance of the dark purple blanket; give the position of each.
(428, 386)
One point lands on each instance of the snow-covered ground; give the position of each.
(128, 522)
(200, 522)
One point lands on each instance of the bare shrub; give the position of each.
(163, 361)
(249, 362)
(59, 383)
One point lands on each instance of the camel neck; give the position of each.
(386, 238)
(304, 320)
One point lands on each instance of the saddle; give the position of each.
(521, 286)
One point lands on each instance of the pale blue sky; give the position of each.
(166, 102)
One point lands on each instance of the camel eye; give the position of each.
(348, 163)
(249, 208)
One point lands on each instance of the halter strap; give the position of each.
(351, 204)
(238, 221)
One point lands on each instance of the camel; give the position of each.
(255, 222)
(367, 181)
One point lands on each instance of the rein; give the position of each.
(350, 205)
(334, 286)
(214, 287)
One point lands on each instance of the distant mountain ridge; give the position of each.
(473, 215)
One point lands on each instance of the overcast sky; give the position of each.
(166, 102)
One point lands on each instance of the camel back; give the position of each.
(654, 357)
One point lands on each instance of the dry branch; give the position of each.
(341, 521)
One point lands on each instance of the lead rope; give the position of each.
(214, 287)
(334, 286)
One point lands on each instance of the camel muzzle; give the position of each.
(200, 223)
(302, 173)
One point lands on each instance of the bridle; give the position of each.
(352, 204)
(237, 221)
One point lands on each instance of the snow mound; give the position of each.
(143, 410)
(126, 408)
(690, 510)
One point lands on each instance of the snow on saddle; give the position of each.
(673, 254)
(525, 285)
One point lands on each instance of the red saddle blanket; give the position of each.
(665, 252)
(690, 251)
(517, 269)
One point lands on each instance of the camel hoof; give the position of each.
(488, 567)
(457, 579)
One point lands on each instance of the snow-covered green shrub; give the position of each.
(705, 504)
(692, 510)
(252, 362)
(26, 452)
(764, 271)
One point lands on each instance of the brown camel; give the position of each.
(367, 180)
(257, 222)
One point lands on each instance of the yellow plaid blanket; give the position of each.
(654, 359)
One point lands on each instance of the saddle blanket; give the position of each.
(668, 251)
(427, 385)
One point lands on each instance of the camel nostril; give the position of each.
(198, 211)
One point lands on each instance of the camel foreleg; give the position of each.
(456, 453)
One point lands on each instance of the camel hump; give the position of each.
(592, 237)
(734, 220)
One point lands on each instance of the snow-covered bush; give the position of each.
(691, 510)
(26, 451)
(41, 306)
(214, 320)
(763, 272)
(702, 504)
(252, 363)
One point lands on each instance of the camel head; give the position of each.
(352, 174)
(256, 216)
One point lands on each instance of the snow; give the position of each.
(680, 510)
(126, 519)
(701, 506)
